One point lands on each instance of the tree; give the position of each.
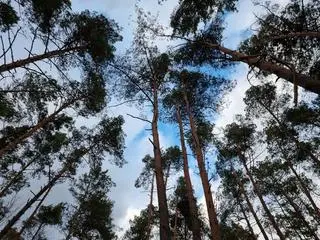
(234, 192)
(239, 139)
(142, 73)
(283, 37)
(139, 227)
(171, 159)
(106, 138)
(194, 88)
(263, 99)
(91, 216)
(50, 215)
(83, 40)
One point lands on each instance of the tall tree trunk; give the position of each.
(175, 224)
(263, 203)
(213, 219)
(34, 212)
(253, 212)
(36, 128)
(302, 80)
(33, 59)
(167, 175)
(161, 189)
(150, 210)
(243, 211)
(30, 202)
(195, 223)
(38, 230)
(299, 214)
(305, 189)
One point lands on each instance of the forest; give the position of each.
(69, 87)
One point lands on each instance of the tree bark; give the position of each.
(213, 219)
(47, 55)
(161, 190)
(263, 203)
(195, 223)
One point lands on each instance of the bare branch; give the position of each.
(142, 119)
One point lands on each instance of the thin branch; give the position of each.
(4, 51)
(131, 80)
(142, 119)
(122, 103)
(10, 44)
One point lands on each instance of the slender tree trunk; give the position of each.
(263, 203)
(195, 223)
(299, 214)
(33, 59)
(161, 189)
(30, 202)
(36, 128)
(15, 178)
(34, 212)
(246, 218)
(253, 212)
(175, 224)
(167, 175)
(38, 230)
(150, 209)
(213, 219)
(304, 188)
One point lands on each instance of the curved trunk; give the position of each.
(161, 189)
(195, 224)
(212, 214)
(263, 203)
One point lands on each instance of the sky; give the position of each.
(128, 201)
